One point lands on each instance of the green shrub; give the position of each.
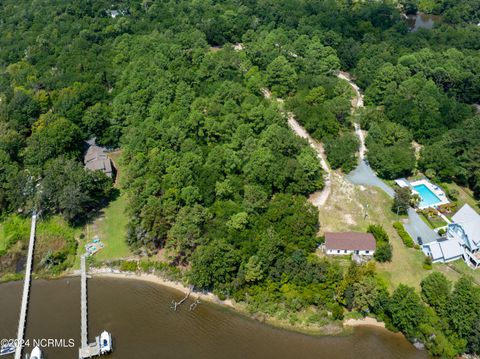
(15, 228)
(379, 233)
(407, 240)
(453, 194)
(129, 266)
(383, 253)
(427, 263)
(337, 311)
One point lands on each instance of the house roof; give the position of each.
(435, 250)
(350, 241)
(451, 249)
(402, 182)
(96, 159)
(93, 153)
(445, 250)
(470, 222)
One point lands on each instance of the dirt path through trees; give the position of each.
(357, 102)
(318, 198)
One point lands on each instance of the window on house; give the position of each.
(366, 252)
(338, 251)
(345, 251)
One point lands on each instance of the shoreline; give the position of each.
(157, 279)
(331, 329)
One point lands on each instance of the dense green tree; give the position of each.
(22, 111)
(402, 200)
(281, 76)
(341, 151)
(436, 291)
(464, 307)
(366, 295)
(213, 265)
(67, 188)
(186, 233)
(52, 136)
(406, 310)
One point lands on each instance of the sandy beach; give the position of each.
(368, 321)
(153, 278)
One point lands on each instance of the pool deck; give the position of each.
(437, 191)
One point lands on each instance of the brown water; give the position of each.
(422, 21)
(138, 315)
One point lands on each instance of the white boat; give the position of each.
(36, 353)
(7, 349)
(105, 342)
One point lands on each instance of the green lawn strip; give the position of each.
(432, 222)
(112, 230)
(111, 224)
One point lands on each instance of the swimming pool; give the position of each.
(429, 199)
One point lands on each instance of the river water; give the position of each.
(139, 317)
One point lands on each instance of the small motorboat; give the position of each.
(36, 353)
(7, 349)
(105, 342)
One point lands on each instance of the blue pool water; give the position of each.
(428, 197)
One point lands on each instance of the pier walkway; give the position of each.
(93, 349)
(26, 290)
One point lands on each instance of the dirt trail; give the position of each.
(318, 198)
(357, 102)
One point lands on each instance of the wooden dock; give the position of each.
(26, 289)
(93, 349)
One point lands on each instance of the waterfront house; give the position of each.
(462, 239)
(96, 159)
(345, 243)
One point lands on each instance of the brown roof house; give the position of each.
(345, 243)
(96, 159)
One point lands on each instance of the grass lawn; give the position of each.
(112, 230)
(465, 195)
(433, 222)
(345, 210)
(110, 225)
(14, 228)
(461, 267)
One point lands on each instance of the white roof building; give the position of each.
(462, 239)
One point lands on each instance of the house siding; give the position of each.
(343, 252)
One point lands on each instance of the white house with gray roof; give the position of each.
(462, 239)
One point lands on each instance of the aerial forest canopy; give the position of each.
(212, 171)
